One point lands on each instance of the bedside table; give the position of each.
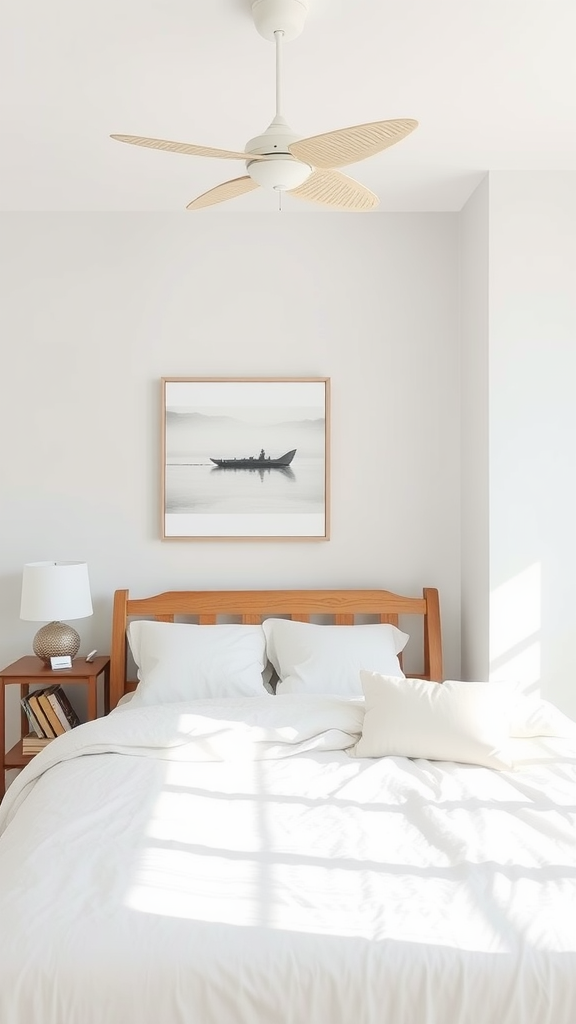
(29, 673)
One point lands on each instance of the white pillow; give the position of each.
(327, 659)
(180, 661)
(532, 716)
(451, 721)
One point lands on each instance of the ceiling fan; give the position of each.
(281, 160)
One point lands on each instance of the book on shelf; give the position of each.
(49, 711)
(64, 708)
(33, 744)
(38, 712)
(33, 722)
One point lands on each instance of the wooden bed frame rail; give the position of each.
(207, 607)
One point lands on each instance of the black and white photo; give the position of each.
(245, 458)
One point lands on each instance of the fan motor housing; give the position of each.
(286, 16)
(274, 141)
(282, 171)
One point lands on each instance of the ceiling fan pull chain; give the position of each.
(278, 36)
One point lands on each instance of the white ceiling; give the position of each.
(492, 83)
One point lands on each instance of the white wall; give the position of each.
(94, 309)
(532, 411)
(518, 352)
(474, 340)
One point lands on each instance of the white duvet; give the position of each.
(226, 862)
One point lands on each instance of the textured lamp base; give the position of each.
(55, 640)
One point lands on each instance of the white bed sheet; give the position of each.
(227, 863)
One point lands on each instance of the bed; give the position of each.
(229, 846)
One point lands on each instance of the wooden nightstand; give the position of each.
(29, 673)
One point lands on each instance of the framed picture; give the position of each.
(245, 458)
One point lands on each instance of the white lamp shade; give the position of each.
(55, 590)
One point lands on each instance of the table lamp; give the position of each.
(52, 591)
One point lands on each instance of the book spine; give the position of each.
(32, 721)
(56, 724)
(39, 713)
(67, 707)
(59, 711)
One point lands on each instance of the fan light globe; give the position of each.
(281, 173)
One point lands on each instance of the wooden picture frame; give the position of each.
(245, 458)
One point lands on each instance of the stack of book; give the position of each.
(49, 714)
(33, 744)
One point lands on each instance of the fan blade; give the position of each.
(348, 145)
(331, 188)
(227, 190)
(185, 147)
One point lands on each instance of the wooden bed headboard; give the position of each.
(251, 606)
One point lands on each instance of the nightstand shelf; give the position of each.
(16, 758)
(29, 673)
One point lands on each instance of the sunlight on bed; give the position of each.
(226, 847)
(515, 622)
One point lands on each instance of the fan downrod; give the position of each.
(286, 16)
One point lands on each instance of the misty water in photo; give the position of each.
(193, 484)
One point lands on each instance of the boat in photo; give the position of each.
(261, 461)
